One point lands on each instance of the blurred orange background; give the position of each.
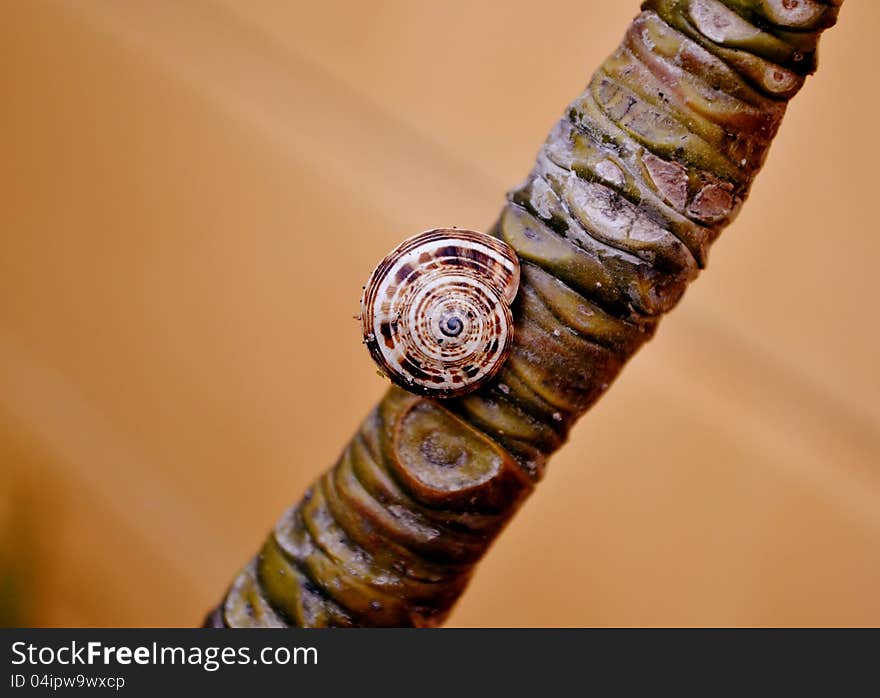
(194, 193)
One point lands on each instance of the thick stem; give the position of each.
(630, 189)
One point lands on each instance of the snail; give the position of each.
(436, 314)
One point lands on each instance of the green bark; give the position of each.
(630, 189)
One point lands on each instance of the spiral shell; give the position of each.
(436, 311)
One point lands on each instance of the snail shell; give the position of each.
(436, 311)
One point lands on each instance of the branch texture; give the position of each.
(630, 189)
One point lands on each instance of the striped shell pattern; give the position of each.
(436, 311)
